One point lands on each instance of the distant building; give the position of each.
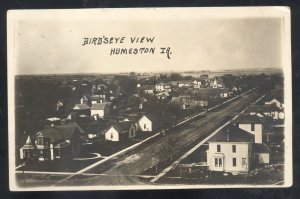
(100, 110)
(148, 89)
(53, 121)
(28, 150)
(168, 88)
(162, 95)
(216, 83)
(225, 93)
(146, 123)
(270, 110)
(159, 87)
(276, 97)
(183, 101)
(82, 109)
(121, 131)
(96, 99)
(134, 119)
(84, 100)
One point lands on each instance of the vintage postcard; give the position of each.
(149, 98)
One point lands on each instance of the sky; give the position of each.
(50, 42)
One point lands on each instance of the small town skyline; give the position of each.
(229, 70)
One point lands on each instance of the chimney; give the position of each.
(141, 105)
(227, 135)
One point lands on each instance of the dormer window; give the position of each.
(40, 141)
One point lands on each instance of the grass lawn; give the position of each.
(63, 165)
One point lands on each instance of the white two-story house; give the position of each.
(230, 150)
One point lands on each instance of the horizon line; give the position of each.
(169, 71)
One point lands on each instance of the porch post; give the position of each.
(51, 152)
(21, 154)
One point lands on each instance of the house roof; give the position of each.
(150, 116)
(263, 108)
(96, 126)
(122, 127)
(275, 94)
(166, 94)
(224, 90)
(134, 118)
(69, 129)
(248, 119)
(95, 97)
(232, 134)
(81, 107)
(60, 133)
(98, 106)
(28, 144)
(260, 148)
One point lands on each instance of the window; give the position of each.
(111, 136)
(233, 148)
(244, 162)
(218, 148)
(26, 153)
(252, 127)
(145, 126)
(218, 162)
(234, 162)
(40, 141)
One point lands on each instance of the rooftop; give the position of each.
(248, 119)
(263, 108)
(232, 134)
(123, 127)
(81, 107)
(98, 106)
(60, 133)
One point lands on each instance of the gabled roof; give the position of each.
(28, 144)
(96, 126)
(60, 133)
(147, 116)
(224, 90)
(150, 116)
(163, 94)
(263, 108)
(98, 106)
(95, 97)
(278, 95)
(69, 129)
(122, 127)
(232, 134)
(133, 118)
(248, 119)
(81, 107)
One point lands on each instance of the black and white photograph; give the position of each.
(149, 98)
